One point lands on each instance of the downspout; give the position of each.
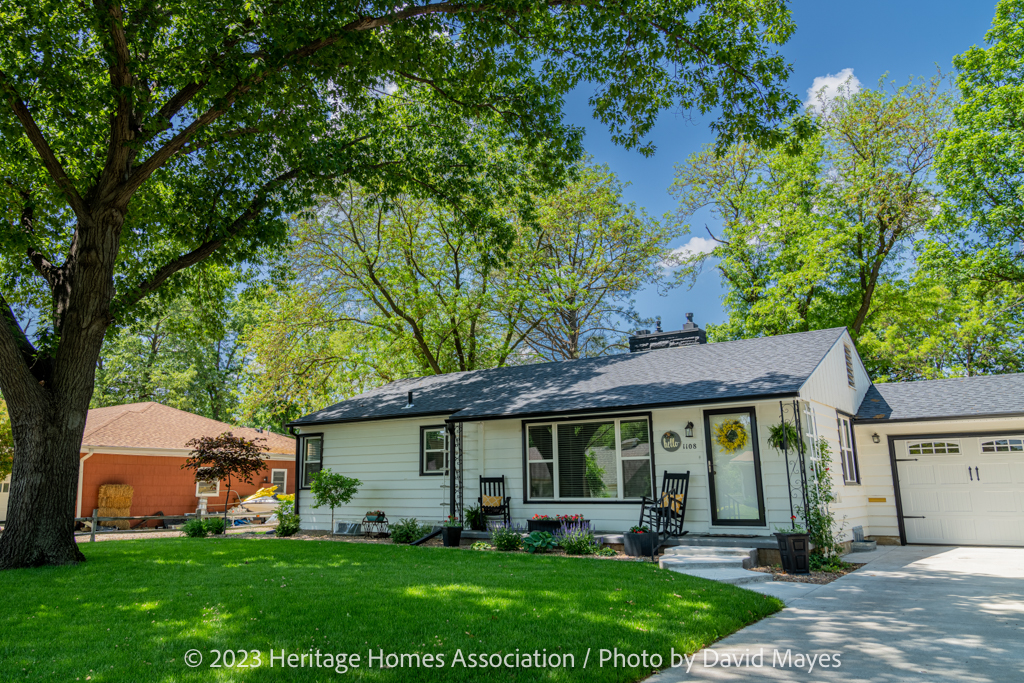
(81, 476)
(298, 472)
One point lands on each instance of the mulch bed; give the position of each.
(466, 544)
(814, 577)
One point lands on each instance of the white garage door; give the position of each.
(967, 491)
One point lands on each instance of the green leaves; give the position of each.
(980, 163)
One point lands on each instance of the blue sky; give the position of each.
(901, 38)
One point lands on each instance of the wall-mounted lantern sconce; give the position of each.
(689, 430)
(875, 438)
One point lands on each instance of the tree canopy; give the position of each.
(817, 239)
(981, 162)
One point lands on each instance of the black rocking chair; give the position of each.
(664, 515)
(493, 500)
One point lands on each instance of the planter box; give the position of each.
(375, 518)
(452, 536)
(549, 525)
(795, 550)
(638, 545)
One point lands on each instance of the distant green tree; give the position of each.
(980, 164)
(186, 354)
(811, 240)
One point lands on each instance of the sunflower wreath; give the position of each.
(731, 435)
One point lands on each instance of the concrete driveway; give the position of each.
(914, 613)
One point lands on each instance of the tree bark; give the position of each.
(48, 391)
(44, 485)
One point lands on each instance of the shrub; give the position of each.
(606, 552)
(194, 528)
(507, 537)
(214, 525)
(408, 530)
(577, 539)
(480, 545)
(476, 519)
(287, 520)
(539, 542)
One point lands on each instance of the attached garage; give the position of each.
(956, 452)
(962, 490)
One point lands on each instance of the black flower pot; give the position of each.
(638, 545)
(548, 525)
(795, 550)
(451, 535)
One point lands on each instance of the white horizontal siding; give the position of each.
(384, 455)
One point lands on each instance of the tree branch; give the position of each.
(42, 147)
(207, 248)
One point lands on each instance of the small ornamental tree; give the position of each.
(332, 489)
(222, 457)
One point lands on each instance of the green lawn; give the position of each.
(136, 607)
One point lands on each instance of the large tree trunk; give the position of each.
(48, 393)
(44, 486)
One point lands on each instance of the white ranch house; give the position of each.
(919, 462)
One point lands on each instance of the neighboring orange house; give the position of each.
(143, 445)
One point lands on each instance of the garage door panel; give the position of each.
(995, 472)
(997, 501)
(955, 501)
(952, 473)
(924, 530)
(922, 502)
(960, 528)
(961, 496)
(1000, 532)
(917, 473)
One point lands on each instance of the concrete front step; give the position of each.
(711, 562)
(702, 551)
(736, 577)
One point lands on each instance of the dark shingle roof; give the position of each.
(944, 398)
(767, 366)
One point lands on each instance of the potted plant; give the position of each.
(639, 541)
(543, 523)
(794, 548)
(476, 519)
(451, 534)
(375, 516)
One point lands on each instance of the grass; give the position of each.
(136, 607)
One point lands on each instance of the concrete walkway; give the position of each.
(914, 613)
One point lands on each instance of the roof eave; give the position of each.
(938, 418)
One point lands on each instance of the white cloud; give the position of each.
(696, 245)
(831, 86)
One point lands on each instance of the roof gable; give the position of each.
(766, 366)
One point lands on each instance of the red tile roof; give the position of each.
(152, 425)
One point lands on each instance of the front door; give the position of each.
(734, 468)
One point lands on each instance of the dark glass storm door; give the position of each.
(734, 468)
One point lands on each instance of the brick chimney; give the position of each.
(645, 340)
